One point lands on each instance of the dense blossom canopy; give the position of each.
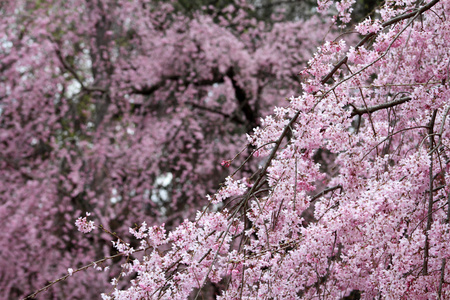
(364, 148)
(125, 109)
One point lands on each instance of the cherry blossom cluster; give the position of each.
(84, 225)
(231, 188)
(343, 7)
(369, 26)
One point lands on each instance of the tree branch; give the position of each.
(242, 98)
(32, 296)
(72, 71)
(325, 191)
(444, 261)
(361, 111)
(211, 110)
(430, 199)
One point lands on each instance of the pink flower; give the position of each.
(226, 163)
(369, 26)
(84, 225)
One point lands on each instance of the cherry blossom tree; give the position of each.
(126, 109)
(375, 114)
(363, 147)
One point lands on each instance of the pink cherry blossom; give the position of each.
(84, 225)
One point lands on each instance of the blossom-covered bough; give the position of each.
(376, 116)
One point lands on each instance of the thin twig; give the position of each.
(75, 271)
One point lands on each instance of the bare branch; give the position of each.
(325, 191)
(361, 111)
(72, 71)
